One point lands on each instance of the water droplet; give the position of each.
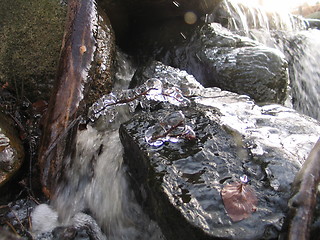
(177, 4)
(244, 179)
(184, 36)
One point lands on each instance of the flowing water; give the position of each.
(287, 33)
(97, 182)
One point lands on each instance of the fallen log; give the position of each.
(80, 68)
(303, 201)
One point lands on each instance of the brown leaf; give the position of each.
(239, 200)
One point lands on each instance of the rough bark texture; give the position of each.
(68, 99)
(302, 204)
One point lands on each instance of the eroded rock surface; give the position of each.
(179, 182)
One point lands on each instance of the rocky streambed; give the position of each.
(208, 149)
(180, 181)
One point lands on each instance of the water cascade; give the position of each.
(97, 182)
(287, 33)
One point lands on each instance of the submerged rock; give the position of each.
(11, 150)
(179, 182)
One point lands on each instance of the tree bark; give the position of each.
(67, 100)
(303, 201)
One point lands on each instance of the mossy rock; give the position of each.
(30, 40)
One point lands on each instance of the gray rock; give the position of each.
(314, 23)
(219, 58)
(179, 182)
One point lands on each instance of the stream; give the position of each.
(98, 193)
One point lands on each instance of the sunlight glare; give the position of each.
(288, 5)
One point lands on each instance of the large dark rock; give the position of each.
(219, 58)
(179, 182)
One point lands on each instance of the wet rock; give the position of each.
(11, 150)
(30, 41)
(101, 72)
(179, 182)
(219, 58)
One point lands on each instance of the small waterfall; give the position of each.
(97, 182)
(304, 51)
(290, 35)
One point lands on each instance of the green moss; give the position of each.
(30, 39)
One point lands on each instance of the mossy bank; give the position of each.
(30, 40)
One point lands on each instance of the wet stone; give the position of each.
(217, 57)
(11, 150)
(180, 183)
(183, 180)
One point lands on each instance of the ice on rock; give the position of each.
(155, 135)
(173, 119)
(151, 91)
(170, 128)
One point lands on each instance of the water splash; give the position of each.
(243, 17)
(97, 183)
(290, 35)
(305, 72)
